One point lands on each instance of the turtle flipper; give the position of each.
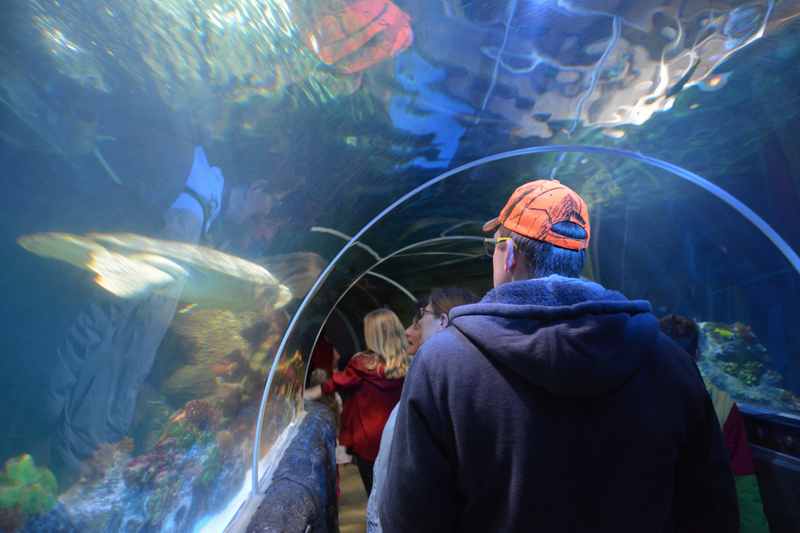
(127, 277)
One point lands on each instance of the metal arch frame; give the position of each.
(344, 236)
(397, 253)
(368, 271)
(395, 284)
(335, 306)
(689, 176)
(449, 254)
(465, 259)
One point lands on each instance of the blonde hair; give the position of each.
(385, 335)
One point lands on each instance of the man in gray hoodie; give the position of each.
(554, 404)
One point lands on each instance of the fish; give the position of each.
(133, 266)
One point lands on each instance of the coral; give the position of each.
(723, 332)
(749, 372)
(212, 467)
(744, 332)
(192, 424)
(103, 459)
(142, 470)
(202, 414)
(25, 489)
(184, 434)
(736, 362)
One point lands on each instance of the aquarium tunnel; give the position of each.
(202, 196)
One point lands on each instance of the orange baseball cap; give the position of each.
(537, 206)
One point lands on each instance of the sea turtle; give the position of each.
(130, 266)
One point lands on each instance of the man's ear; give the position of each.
(444, 321)
(511, 258)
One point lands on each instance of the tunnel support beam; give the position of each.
(680, 172)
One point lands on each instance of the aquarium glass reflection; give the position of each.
(178, 173)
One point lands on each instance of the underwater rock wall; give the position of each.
(303, 488)
(733, 360)
(192, 471)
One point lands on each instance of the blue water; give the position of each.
(145, 407)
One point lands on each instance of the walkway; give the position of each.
(353, 502)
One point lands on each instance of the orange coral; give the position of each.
(202, 414)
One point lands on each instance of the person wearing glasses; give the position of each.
(554, 404)
(431, 317)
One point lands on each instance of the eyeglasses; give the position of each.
(489, 244)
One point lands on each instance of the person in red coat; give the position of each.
(371, 385)
(324, 355)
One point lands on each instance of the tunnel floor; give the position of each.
(353, 501)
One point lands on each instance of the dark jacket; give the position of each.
(369, 397)
(555, 405)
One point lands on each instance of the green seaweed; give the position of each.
(25, 487)
(184, 433)
(212, 468)
(724, 333)
(749, 372)
(187, 434)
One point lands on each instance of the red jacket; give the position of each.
(322, 356)
(366, 410)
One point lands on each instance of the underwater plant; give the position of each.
(25, 490)
(723, 332)
(749, 372)
(202, 414)
(744, 331)
(184, 434)
(212, 467)
(103, 459)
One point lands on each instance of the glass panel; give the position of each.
(656, 237)
(177, 173)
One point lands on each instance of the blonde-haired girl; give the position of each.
(371, 383)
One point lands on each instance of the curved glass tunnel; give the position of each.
(149, 379)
